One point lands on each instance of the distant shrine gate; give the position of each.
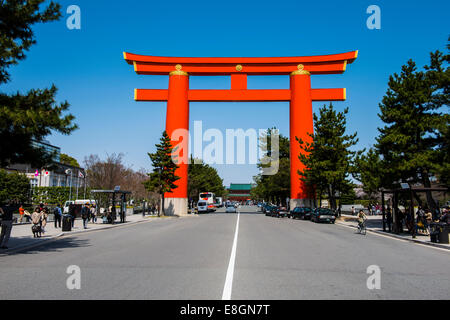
(300, 96)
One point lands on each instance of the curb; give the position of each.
(62, 234)
(431, 244)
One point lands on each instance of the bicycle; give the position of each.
(362, 228)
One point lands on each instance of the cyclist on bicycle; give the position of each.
(361, 219)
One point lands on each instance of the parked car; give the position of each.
(278, 212)
(230, 209)
(323, 214)
(302, 213)
(267, 209)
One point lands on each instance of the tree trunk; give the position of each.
(419, 201)
(161, 210)
(332, 198)
(427, 184)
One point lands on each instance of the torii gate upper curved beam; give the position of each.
(325, 64)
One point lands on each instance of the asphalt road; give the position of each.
(189, 258)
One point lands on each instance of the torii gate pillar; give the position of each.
(300, 126)
(177, 117)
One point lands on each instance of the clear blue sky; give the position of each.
(88, 67)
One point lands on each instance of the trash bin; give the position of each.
(434, 232)
(66, 223)
(439, 233)
(443, 234)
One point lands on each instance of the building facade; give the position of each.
(240, 191)
(57, 175)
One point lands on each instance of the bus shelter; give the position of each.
(408, 193)
(112, 198)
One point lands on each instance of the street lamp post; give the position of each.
(78, 183)
(70, 190)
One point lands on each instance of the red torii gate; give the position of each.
(300, 95)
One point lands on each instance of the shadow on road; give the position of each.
(50, 245)
(228, 213)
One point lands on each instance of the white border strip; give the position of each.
(230, 272)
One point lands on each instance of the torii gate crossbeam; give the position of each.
(300, 95)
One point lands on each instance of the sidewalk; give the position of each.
(375, 224)
(22, 237)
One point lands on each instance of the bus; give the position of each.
(209, 198)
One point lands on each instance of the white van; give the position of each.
(202, 207)
(77, 202)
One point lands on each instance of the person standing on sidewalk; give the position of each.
(389, 218)
(57, 212)
(93, 213)
(6, 214)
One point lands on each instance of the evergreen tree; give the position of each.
(34, 115)
(162, 179)
(414, 141)
(273, 187)
(328, 158)
(369, 171)
(203, 178)
(66, 159)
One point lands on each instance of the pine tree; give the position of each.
(414, 141)
(369, 171)
(162, 179)
(203, 178)
(270, 185)
(34, 115)
(328, 158)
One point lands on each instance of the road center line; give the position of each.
(229, 279)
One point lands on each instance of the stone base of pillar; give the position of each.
(176, 206)
(309, 203)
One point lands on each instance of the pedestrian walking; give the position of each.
(36, 220)
(57, 212)
(6, 214)
(44, 218)
(72, 213)
(21, 213)
(27, 215)
(85, 215)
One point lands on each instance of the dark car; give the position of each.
(279, 212)
(301, 213)
(267, 209)
(323, 215)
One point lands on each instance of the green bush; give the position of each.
(14, 187)
(53, 195)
